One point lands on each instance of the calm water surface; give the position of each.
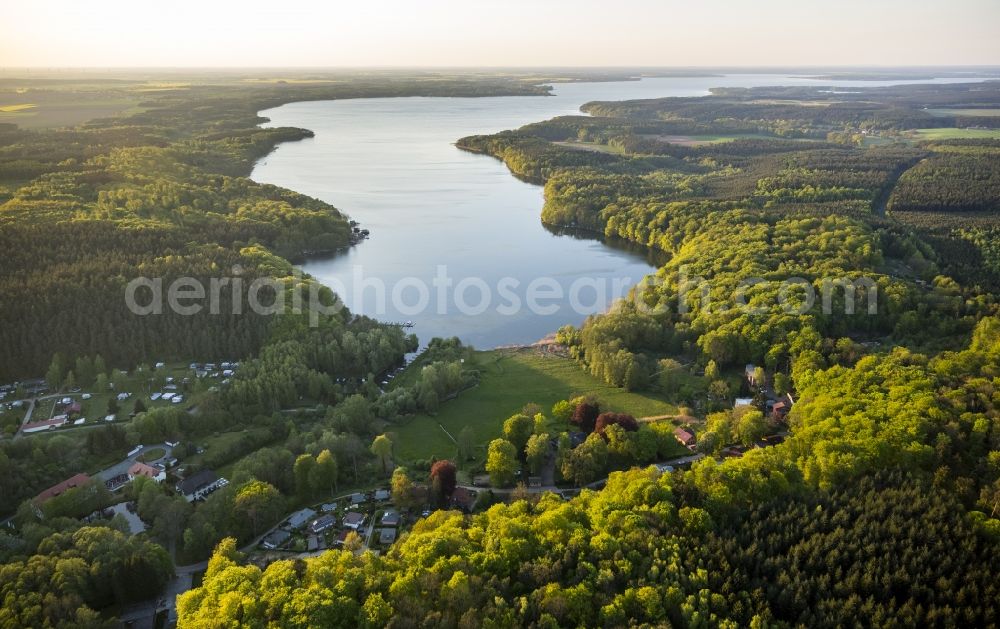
(435, 211)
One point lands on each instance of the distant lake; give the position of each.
(436, 211)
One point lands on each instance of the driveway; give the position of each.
(122, 466)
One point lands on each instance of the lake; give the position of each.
(457, 245)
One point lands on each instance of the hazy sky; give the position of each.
(493, 32)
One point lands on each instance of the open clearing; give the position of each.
(699, 140)
(964, 112)
(65, 115)
(510, 379)
(953, 133)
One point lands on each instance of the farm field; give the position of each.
(964, 112)
(952, 133)
(510, 379)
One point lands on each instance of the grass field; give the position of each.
(59, 113)
(13, 109)
(952, 133)
(511, 379)
(964, 112)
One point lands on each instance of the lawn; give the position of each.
(153, 454)
(952, 133)
(511, 379)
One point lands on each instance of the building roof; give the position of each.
(387, 536)
(48, 423)
(382, 494)
(462, 497)
(391, 518)
(70, 483)
(141, 469)
(277, 537)
(683, 435)
(299, 518)
(197, 481)
(322, 523)
(353, 519)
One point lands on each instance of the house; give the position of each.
(743, 401)
(141, 469)
(357, 499)
(155, 396)
(73, 482)
(387, 536)
(685, 437)
(391, 518)
(322, 523)
(275, 539)
(779, 410)
(49, 424)
(299, 519)
(199, 485)
(353, 520)
(342, 537)
(167, 396)
(463, 499)
(382, 494)
(328, 507)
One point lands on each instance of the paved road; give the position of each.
(122, 466)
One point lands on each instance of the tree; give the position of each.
(624, 420)
(323, 476)
(303, 472)
(382, 448)
(56, 372)
(750, 427)
(585, 416)
(536, 452)
(517, 429)
(443, 480)
(259, 503)
(139, 406)
(781, 383)
(113, 405)
(711, 371)
(587, 461)
(562, 410)
(402, 488)
(501, 462)
(466, 444)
